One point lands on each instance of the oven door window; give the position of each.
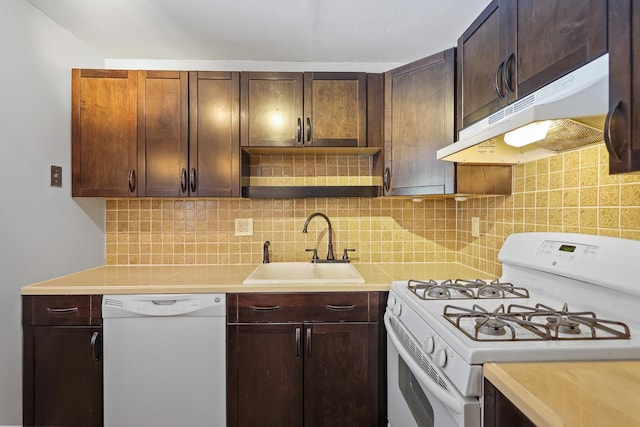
(414, 396)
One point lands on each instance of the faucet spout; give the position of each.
(330, 256)
(265, 252)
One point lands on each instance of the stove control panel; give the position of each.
(564, 251)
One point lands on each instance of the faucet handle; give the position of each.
(314, 258)
(345, 255)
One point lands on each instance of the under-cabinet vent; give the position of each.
(417, 353)
(524, 103)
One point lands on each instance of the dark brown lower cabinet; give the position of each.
(499, 411)
(310, 372)
(62, 363)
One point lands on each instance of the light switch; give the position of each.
(56, 176)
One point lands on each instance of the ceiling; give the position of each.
(355, 31)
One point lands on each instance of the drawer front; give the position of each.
(302, 307)
(61, 310)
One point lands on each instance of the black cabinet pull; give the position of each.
(298, 343)
(132, 180)
(507, 75)
(608, 142)
(265, 308)
(333, 307)
(308, 129)
(192, 180)
(386, 179)
(183, 180)
(95, 347)
(299, 131)
(497, 80)
(308, 342)
(62, 310)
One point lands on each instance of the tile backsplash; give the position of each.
(570, 192)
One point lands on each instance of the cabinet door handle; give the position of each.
(308, 129)
(308, 342)
(497, 80)
(132, 180)
(193, 180)
(386, 179)
(183, 180)
(62, 310)
(608, 142)
(507, 75)
(95, 347)
(299, 131)
(298, 343)
(340, 307)
(265, 308)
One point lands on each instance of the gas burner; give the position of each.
(567, 324)
(443, 290)
(490, 326)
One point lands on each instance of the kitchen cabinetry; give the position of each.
(517, 46)
(103, 140)
(310, 109)
(622, 126)
(419, 111)
(62, 365)
(305, 359)
(499, 411)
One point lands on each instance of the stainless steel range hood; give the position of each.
(573, 108)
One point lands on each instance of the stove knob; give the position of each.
(397, 309)
(391, 302)
(440, 357)
(428, 345)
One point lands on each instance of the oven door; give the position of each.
(417, 400)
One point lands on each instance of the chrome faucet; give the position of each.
(330, 256)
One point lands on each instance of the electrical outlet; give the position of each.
(244, 226)
(475, 226)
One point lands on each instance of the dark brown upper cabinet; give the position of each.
(622, 126)
(298, 110)
(214, 123)
(419, 111)
(518, 46)
(103, 140)
(163, 133)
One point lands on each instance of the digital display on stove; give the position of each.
(567, 248)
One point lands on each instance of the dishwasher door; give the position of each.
(164, 360)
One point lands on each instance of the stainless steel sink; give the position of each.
(282, 273)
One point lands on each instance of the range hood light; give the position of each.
(527, 134)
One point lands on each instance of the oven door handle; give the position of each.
(447, 399)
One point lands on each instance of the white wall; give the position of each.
(43, 231)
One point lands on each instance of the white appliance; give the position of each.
(164, 360)
(575, 105)
(561, 297)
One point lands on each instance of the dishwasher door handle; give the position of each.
(164, 301)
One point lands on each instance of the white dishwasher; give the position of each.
(164, 360)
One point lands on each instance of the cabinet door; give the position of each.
(499, 411)
(622, 126)
(341, 374)
(271, 109)
(103, 136)
(214, 148)
(482, 58)
(335, 109)
(264, 379)
(163, 133)
(419, 100)
(556, 37)
(62, 376)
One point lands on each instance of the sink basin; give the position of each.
(283, 273)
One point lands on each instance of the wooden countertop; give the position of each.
(157, 279)
(572, 394)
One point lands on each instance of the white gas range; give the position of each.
(561, 297)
